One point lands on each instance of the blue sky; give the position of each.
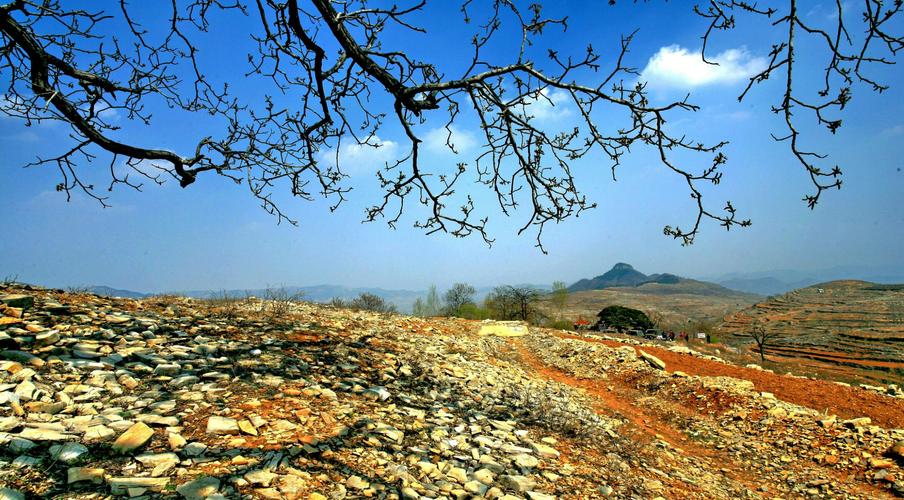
(214, 235)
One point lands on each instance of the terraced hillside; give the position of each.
(677, 306)
(849, 330)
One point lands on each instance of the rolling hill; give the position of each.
(679, 306)
(622, 275)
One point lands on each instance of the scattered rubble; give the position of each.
(180, 398)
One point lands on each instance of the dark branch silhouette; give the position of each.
(330, 57)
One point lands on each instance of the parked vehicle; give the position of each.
(653, 334)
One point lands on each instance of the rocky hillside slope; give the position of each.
(178, 398)
(678, 307)
(848, 330)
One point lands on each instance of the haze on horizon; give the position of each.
(213, 236)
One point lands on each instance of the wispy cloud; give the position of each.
(356, 159)
(24, 136)
(548, 105)
(677, 67)
(894, 131)
(438, 140)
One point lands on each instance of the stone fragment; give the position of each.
(652, 360)
(262, 477)
(20, 301)
(856, 423)
(11, 494)
(157, 459)
(246, 427)
(897, 450)
(194, 449)
(199, 488)
(99, 433)
(175, 440)
(135, 437)
(222, 425)
(544, 450)
(356, 483)
(9, 423)
(78, 474)
(503, 329)
(484, 476)
(458, 474)
(526, 461)
(47, 338)
(377, 393)
(123, 485)
(516, 483)
(44, 435)
(68, 453)
(167, 369)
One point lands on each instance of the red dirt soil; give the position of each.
(846, 402)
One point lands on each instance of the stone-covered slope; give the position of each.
(179, 398)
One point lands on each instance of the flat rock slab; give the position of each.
(135, 437)
(200, 488)
(653, 360)
(122, 485)
(18, 300)
(10, 494)
(45, 435)
(77, 474)
(222, 425)
(503, 329)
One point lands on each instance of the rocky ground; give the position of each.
(171, 397)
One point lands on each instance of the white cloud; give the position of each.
(462, 140)
(677, 67)
(108, 114)
(549, 105)
(894, 131)
(356, 159)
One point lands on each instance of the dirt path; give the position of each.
(618, 401)
(846, 402)
(645, 424)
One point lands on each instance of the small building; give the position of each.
(581, 324)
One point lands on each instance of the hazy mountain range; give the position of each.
(781, 281)
(621, 275)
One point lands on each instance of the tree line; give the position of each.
(504, 302)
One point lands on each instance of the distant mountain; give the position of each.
(777, 282)
(623, 275)
(765, 286)
(107, 291)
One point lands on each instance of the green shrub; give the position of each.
(473, 311)
(624, 318)
(560, 324)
